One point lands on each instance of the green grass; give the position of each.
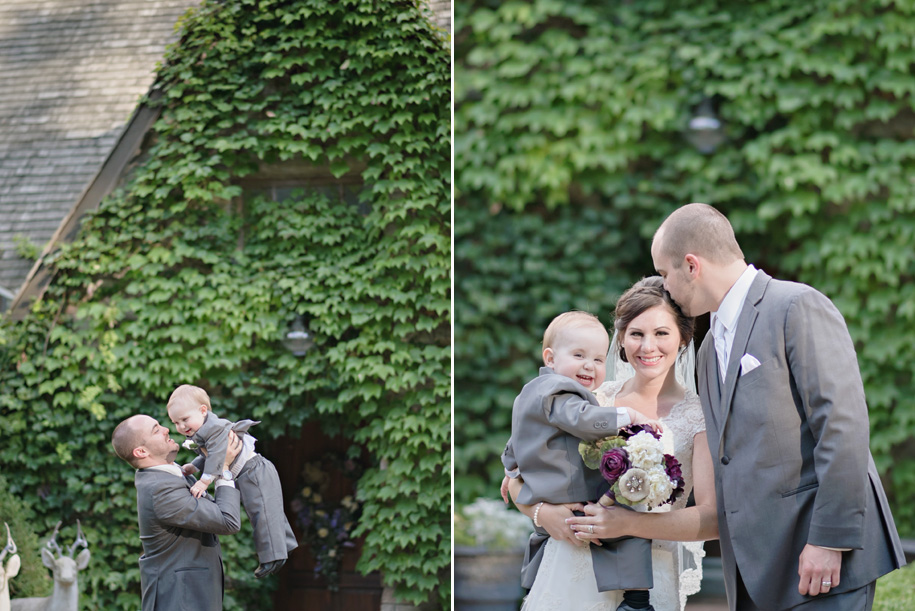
(896, 591)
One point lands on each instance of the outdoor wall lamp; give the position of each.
(705, 130)
(299, 339)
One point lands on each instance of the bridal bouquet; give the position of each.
(633, 462)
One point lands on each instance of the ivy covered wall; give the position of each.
(181, 277)
(569, 152)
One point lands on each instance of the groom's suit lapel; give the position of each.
(745, 324)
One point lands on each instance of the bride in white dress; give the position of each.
(651, 333)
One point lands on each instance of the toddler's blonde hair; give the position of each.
(569, 320)
(187, 393)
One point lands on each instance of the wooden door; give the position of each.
(299, 588)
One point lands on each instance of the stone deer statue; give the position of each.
(65, 596)
(8, 570)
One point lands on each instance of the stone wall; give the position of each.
(442, 10)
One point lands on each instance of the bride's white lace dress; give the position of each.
(565, 579)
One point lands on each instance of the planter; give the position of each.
(486, 580)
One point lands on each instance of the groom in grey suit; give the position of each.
(802, 515)
(181, 565)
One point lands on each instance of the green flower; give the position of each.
(589, 454)
(592, 451)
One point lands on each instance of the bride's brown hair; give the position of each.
(645, 294)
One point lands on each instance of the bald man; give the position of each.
(802, 516)
(181, 565)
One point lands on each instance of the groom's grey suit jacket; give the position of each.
(181, 566)
(789, 442)
(550, 416)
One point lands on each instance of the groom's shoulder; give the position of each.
(153, 479)
(145, 481)
(791, 290)
(765, 286)
(785, 298)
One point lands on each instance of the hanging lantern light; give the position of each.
(299, 339)
(705, 130)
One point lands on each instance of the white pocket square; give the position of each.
(748, 363)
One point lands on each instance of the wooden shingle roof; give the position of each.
(71, 74)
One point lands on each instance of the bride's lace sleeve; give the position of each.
(693, 417)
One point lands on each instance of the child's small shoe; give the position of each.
(636, 600)
(269, 568)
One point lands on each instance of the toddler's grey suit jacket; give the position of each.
(550, 417)
(213, 435)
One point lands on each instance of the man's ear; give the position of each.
(140, 452)
(548, 357)
(693, 265)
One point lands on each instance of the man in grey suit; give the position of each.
(802, 515)
(181, 565)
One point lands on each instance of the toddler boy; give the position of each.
(552, 414)
(256, 478)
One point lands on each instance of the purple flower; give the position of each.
(634, 429)
(672, 466)
(614, 463)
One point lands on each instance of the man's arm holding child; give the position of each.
(233, 448)
(173, 505)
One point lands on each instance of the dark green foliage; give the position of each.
(168, 283)
(513, 273)
(569, 151)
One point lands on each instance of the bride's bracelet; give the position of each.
(537, 514)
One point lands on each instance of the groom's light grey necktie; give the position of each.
(721, 348)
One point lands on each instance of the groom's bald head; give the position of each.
(697, 229)
(126, 438)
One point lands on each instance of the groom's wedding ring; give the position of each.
(591, 529)
(826, 584)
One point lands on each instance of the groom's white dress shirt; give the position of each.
(724, 320)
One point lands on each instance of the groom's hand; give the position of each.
(233, 450)
(819, 570)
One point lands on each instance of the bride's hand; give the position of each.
(607, 523)
(553, 519)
